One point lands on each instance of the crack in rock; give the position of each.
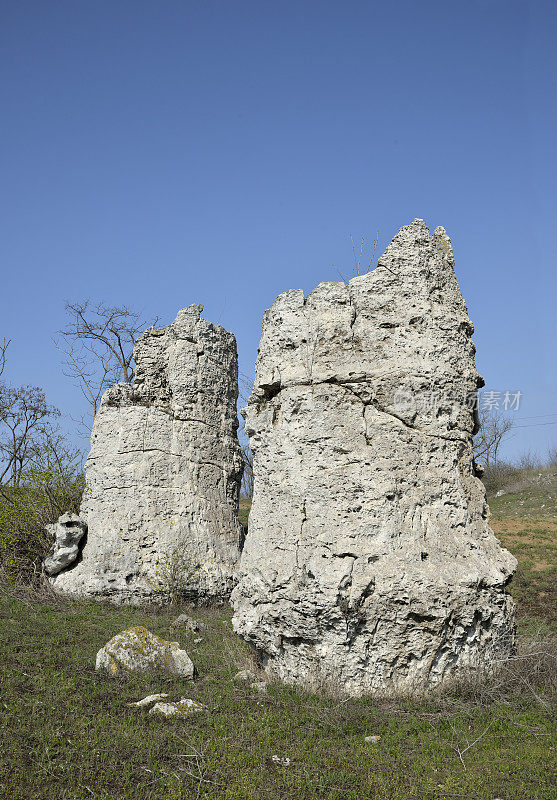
(168, 447)
(352, 593)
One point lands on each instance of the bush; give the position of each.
(498, 475)
(530, 673)
(42, 496)
(177, 577)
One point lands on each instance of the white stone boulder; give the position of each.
(149, 701)
(67, 532)
(139, 650)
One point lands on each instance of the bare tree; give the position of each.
(360, 267)
(247, 475)
(25, 419)
(3, 348)
(245, 384)
(97, 345)
(494, 428)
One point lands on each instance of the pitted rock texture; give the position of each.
(183, 708)
(369, 565)
(163, 475)
(67, 533)
(139, 650)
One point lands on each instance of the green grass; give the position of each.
(529, 502)
(243, 512)
(526, 524)
(68, 733)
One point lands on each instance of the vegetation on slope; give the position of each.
(68, 733)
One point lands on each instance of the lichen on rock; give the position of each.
(182, 708)
(139, 650)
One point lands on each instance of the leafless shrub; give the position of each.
(499, 476)
(529, 460)
(176, 577)
(530, 673)
(362, 265)
(97, 346)
(3, 348)
(494, 428)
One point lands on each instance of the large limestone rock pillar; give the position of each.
(369, 563)
(163, 474)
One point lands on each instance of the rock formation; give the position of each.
(369, 564)
(163, 475)
(67, 534)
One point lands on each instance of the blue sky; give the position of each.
(158, 154)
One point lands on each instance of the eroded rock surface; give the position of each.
(139, 650)
(369, 563)
(183, 708)
(163, 474)
(67, 532)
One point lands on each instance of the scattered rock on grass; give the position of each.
(373, 739)
(183, 708)
(148, 701)
(245, 675)
(283, 762)
(139, 650)
(187, 622)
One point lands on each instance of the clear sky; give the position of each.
(159, 154)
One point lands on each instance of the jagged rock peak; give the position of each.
(163, 475)
(369, 563)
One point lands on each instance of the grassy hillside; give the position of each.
(525, 520)
(68, 733)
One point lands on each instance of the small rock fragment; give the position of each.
(259, 686)
(148, 701)
(183, 708)
(187, 622)
(373, 739)
(284, 762)
(245, 675)
(198, 640)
